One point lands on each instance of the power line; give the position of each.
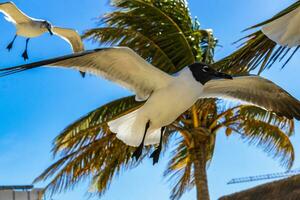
(264, 177)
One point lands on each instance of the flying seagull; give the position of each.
(166, 97)
(30, 28)
(284, 30)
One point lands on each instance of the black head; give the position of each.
(48, 26)
(204, 73)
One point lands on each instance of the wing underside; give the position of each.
(120, 65)
(256, 91)
(12, 13)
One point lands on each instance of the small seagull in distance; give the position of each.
(29, 27)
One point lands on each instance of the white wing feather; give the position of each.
(13, 14)
(71, 36)
(121, 65)
(254, 90)
(285, 30)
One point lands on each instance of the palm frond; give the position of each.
(253, 112)
(180, 167)
(87, 147)
(90, 126)
(258, 51)
(162, 32)
(263, 129)
(180, 171)
(102, 158)
(140, 43)
(208, 43)
(273, 140)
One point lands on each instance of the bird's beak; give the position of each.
(50, 31)
(222, 75)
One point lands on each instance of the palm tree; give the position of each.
(257, 50)
(164, 33)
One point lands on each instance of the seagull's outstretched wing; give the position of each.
(71, 36)
(121, 65)
(257, 91)
(285, 30)
(12, 13)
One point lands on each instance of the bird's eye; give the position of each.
(205, 69)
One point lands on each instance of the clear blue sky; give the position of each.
(36, 105)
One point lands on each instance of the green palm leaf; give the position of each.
(100, 159)
(87, 145)
(160, 31)
(90, 126)
(88, 149)
(179, 171)
(136, 41)
(258, 51)
(263, 129)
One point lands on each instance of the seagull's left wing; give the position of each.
(71, 36)
(284, 30)
(254, 90)
(121, 65)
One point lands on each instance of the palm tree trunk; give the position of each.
(200, 156)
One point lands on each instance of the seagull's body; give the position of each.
(167, 97)
(162, 108)
(285, 30)
(29, 27)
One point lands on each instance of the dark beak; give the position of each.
(50, 31)
(222, 75)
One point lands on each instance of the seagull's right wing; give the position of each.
(71, 36)
(13, 14)
(121, 65)
(254, 90)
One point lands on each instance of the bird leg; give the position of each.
(10, 45)
(25, 55)
(156, 153)
(139, 150)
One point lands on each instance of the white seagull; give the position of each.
(166, 97)
(30, 28)
(284, 30)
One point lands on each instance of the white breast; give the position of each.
(167, 104)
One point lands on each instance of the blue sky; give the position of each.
(36, 105)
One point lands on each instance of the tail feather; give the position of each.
(130, 129)
(127, 129)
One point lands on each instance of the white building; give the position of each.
(26, 192)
